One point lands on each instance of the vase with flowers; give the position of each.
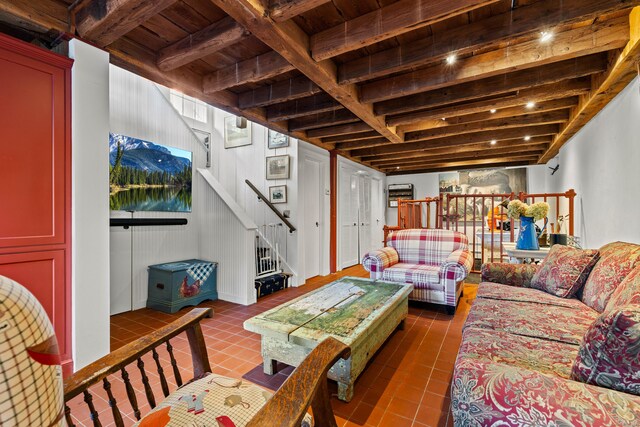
(528, 215)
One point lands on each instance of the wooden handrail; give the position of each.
(306, 386)
(125, 355)
(273, 208)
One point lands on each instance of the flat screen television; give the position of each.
(144, 176)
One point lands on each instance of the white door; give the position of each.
(312, 216)
(364, 215)
(377, 214)
(348, 212)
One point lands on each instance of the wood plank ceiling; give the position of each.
(402, 86)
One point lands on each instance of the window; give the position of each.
(188, 106)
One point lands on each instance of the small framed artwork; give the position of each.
(277, 140)
(278, 167)
(237, 132)
(278, 194)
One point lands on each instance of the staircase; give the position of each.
(271, 251)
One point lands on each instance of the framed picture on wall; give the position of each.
(277, 140)
(237, 132)
(278, 167)
(278, 194)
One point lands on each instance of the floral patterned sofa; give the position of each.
(435, 261)
(530, 358)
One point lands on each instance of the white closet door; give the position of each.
(348, 211)
(377, 214)
(364, 215)
(311, 221)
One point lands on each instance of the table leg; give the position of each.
(345, 391)
(269, 365)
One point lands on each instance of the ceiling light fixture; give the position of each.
(546, 36)
(530, 104)
(493, 111)
(527, 138)
(494, 142)
(444, 119)
(397, 167)
(451, 59)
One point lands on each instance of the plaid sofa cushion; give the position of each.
(420, 275)
(426, 246)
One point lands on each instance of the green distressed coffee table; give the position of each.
(361, 313)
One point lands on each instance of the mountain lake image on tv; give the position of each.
(144, 176)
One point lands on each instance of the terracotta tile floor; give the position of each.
(405, 384)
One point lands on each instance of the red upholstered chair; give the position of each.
(435, 261)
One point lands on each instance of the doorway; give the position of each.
(312, 183)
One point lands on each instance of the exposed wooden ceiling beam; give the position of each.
(210, 39)
(302, 107)
(339, 130)
(282, 91)
(388, 21)
(281, 10)
(466, 163)
(508, 144)
(539, 94)
(469, 155)
(331, 118)
(596, 38)
(496, 85)
(359, 136)
(622, 71)
(293, 44)
(559, 116)
(520, 110)
(465, 139)
(104, 21)
(252, 70)
(471, 159)
(508, 27)
(365, 143)
(39, 17)
(432, 169)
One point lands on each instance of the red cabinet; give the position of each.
(35, 178)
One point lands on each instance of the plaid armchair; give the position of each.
(435, 261)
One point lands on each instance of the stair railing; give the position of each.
(271, 206)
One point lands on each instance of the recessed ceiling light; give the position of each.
(397, 167)
(494, 142)
(530, 104)
(451, 59)
(527, 138)
(493, 111)
(546, 36)
(444, 119)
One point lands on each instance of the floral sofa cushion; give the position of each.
(211, 401)
(426, 276)
(486, 393)
(544, 356)
(609, 355)
(564, 270)
(628, 292)
(616, 262)
(519, 275)
(512, 293)
(532, 319)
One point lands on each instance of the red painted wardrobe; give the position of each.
(35, 179)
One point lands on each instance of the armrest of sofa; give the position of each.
(489, 393)
(457, 265)
(509, 274)
(375, 262)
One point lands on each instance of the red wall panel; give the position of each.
(35, 178)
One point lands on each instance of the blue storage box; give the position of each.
(174, 285)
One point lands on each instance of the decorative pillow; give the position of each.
(211, 401)
(616, 262)
(628, 292)
(609, 354)
(564, 270)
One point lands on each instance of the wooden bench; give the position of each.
(306, 386)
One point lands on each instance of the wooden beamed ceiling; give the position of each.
(401, 86)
